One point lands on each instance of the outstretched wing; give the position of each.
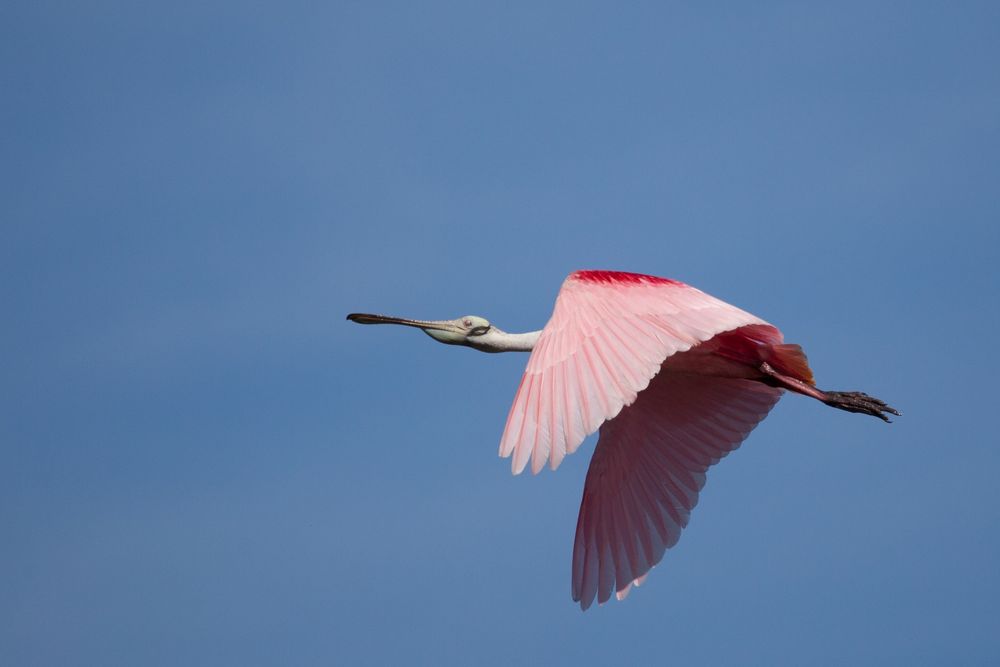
(607, 337)
(647, 470)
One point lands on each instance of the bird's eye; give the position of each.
(479, 331)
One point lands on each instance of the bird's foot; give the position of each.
(857, 401)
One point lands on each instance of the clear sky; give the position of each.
(202, 463)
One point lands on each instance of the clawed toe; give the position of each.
(857, 401)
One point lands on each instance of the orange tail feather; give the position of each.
(791, 360)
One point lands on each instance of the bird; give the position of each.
(672, 378)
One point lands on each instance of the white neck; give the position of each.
(496, 340)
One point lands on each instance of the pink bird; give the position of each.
(674, 379)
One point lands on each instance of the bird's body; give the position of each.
(673, 378)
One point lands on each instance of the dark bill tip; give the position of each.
(367, 318)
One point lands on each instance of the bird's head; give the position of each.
(469, 330)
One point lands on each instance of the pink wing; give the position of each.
(608, 335)
(647, 470)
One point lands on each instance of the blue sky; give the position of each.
(203, 463)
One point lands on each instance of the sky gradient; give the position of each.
(204, 464)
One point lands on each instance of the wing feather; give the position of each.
(608, 336)
(647, 470)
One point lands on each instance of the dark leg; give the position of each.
(858, 401)
(851, 401)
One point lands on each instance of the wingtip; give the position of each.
(517, 467)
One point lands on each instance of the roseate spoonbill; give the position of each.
(674, 379)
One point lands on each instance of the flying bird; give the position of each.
(673, 378)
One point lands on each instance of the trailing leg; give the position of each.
(851, 401)
(858, 401)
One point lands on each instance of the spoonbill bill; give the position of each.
(674, 379)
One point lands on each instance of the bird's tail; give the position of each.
(790, 360)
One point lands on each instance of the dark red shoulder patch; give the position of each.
(621, 278)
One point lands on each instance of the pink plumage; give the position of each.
(623, 350)
(647, 470)
(608, 335)
(674, 379)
